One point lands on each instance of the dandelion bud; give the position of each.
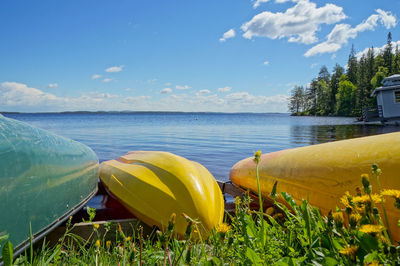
(171, 222)
(338, 218)
(98, 243)
(173, 218)
(257, 156)
(375, 211)
(108, 243)
(188, 229)
(366, 184)
(354, 219)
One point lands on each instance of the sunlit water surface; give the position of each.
(217, 141)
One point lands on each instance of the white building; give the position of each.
(388, 97)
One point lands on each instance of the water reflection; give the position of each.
(309, 135)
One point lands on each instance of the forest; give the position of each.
(346, 92)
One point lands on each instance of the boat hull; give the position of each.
(323, 173)
(154, 185)
(44, 178)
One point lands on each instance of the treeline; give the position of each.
(346, 92)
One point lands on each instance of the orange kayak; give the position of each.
(323, 173)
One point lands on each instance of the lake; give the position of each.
(216, 140)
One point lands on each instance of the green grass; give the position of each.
(287, 234)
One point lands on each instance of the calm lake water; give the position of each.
(217, 141)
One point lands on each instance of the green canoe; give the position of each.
(44, 178)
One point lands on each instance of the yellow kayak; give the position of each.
(153, 185)
(324, 172)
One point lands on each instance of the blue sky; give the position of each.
(186, 55)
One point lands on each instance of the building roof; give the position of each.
(386, 88)
(392, 80)
(389, 83)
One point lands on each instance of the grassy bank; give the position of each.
(289, 233)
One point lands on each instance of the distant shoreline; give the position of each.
(139, 112)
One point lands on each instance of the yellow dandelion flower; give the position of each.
(127, 239)
(345, 200)
(392, 193)
(98, 243)
(96, 226)
(371, 228)
(223, 228)
(238, 200)
(366, 198)
(349, 251)
(108, 243)
(338, 217)
(355, 218)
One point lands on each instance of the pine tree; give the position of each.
(387, 54)
(338, 71)
(311, 97)
(362, 89)
(396, 63)
(352, 66)
(296, 103)
(370, 62)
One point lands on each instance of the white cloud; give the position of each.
(298, 23)
(52, 86)
(184, 87)
(245, 98)
(227, 35)
(20, 97)
(107, 80)
(341, 33)
(378, 50)
(166, 90)
(135, 100)
(313, 65)
(387, 18)
(96, 76)
(128, 89)
(204, 91)
(18, 94)
(115, 69)
(266, 63)
(258, 2)
(225, 89)
(98, 96)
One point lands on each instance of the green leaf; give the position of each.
(367, 242)
(336, 244)
(328, 261)
(216, 261)
(370, 257)
(7, 254)
(252, 256)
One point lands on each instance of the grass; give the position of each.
(286, 234)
